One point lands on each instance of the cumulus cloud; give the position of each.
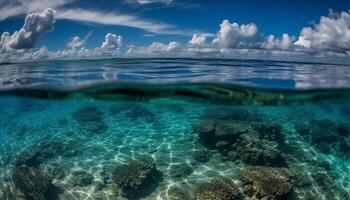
(286, 43)
(329, 39)
(237, 36)
(112, 42)
(35, 25)
(155, 48)
(197, 40)
(332, 34)
(77, 42)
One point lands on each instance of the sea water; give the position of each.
(174, 129)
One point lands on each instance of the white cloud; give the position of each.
(286, 43)
(35, 25)
(198, 40)
(237, 36)
(10, 8)
(155, 48)
(77, 42)
(328, 40)
(331, 34)
(112, 42)
(114, 18)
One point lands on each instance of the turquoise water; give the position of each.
(173, 141)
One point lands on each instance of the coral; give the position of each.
(180, 170)
(220, 188)
(134, 176)
(270, 131)
(33, 183)
(252, 150)
(81, 178)
(267, 182)
(90, 119)
(201, 155)
(239, 141)
(211, 131)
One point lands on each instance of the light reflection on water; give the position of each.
(271, 74)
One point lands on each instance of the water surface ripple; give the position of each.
(267, 74)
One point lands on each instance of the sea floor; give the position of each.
(76, 145)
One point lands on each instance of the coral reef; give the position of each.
(327, 136)
(134, 177)
(212, 131)
(179, 171)
(251, 150)
(271, 131)
(220, 188)
(267, 182)
(33, 183)
(256, 143)
(90, 119)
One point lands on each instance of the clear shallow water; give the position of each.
(86, 143)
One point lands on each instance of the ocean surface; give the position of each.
(177, 129)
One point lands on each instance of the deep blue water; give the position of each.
(174, 129)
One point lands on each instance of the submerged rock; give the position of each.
(136, 177)
(267, 182)
(33, 183)
(220, 188)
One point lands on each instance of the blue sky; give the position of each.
(271, 17)
(37, 29)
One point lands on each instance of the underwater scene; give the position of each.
(176, 142)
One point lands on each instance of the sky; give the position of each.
(39, 29)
